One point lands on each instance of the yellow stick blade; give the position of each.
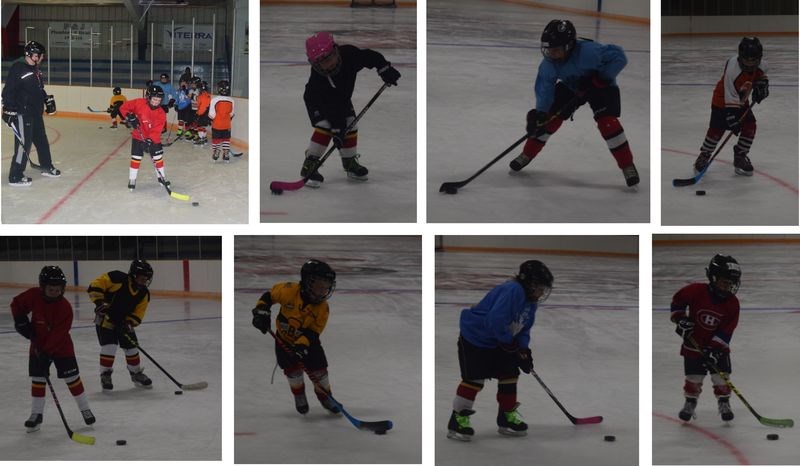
(84, 439)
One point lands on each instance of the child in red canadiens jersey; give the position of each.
(713, 313)
(146, 119)
(48, 330)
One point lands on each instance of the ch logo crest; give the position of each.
(708, 320)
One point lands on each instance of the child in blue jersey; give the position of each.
(573, 73)
(495, 343)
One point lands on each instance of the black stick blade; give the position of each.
(679, 182)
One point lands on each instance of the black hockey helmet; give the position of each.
(164, 76)
(154, 91)
(224, 87)
(311, 273)
(724, 268)
(54, 276)
(138, 268)
(536, 279)
(196, 81)
(750, 53)
(117, 90)
(558, 39)
(34, 48)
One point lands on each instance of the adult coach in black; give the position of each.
(23, 100)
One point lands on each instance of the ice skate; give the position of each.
(215, 155)
(724, 406)
(510, 423)
(105, 380)
(458, 428)
(354, 170)
(20, 182)
(687, 413)
(314, 179)
(33, 423)
(51, 172)
(301, 403)
(328, 404)
(631, 175)
(113, 125)
(226, 156)
(131, 185)
(520, 162)
(141, 380)
(701, 162)
(742, 165)
(88, 417)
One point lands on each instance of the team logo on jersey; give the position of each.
(708, 319)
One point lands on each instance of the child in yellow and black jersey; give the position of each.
(121, 301)
(113, 106)
(299, 323)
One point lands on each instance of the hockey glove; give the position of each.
(760, 89)
(132, 120)
(9, 117)
(684, 327)
(389, 74)
(535, 122)
(262, 320)
(50, 105)
(712, 355)
(300, 352)
(100, 311)
(732, 116)
(24, 327)
(338, 132)
(525, 360)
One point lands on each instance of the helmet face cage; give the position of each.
(34, 48)
(750, 53)
(224, 88)
(311, 274)
(558, 40)
(536, 279)
(52, 275)
(117, 91)
(154, 91)
(140, 268)
(724, 268)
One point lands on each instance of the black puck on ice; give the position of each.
(195, 204)
(700, 192)
(772, 436)
(122, 442)
(178, 392)
(609, 438)
(380, 432)
(276, 191)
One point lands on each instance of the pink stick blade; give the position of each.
(287, 185)
(589, 420)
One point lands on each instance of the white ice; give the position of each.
(182, 334)
(764, 354)
(93, 187)
(482, 62)
(372, 342)
(387, 138)
(584, 345)
(690, 68)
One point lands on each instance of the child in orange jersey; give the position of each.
(221, 112)
(302, 318)
(48, 330)
(203, 105)
(730, 106)
(146, 118)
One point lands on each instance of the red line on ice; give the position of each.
(740, 457)
(80, 184)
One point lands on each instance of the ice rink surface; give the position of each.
(372, 342)
(93, 187)
(765, 351)
(182, 334)
(584, 345)
(690, 68)
(483, 58)
(387, 135)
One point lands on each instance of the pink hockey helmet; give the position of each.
(319, 49)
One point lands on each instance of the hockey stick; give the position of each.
(80, 438)
(573, 419)
(763, 420)
(278, 187)
(680, 182)
(161, 180)
(95, 111)
(451, 187)
(378, 427)
(184, 386)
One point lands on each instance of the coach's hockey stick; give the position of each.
(710, 364)
(17, 135)
(161, 180)
(278, 187)
(573, 419)
(378, 427)
(680, 182)
(451, 187)
(183, 386)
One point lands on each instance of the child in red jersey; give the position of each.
(744, 74)
(48, 330)
(708, 327)
(146, 118)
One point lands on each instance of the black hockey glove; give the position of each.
(9, 117)
(300, 352)
(712, 355)
(262, 320)
(732, 116)
(760, 89)
(338, 133)
(389, 74)
(535, 123)
(50, 105)
(100, 311)
(24, 327)
(684, 327)
(132, 120)
(525, 360)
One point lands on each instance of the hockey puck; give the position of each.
(178, 392)
(122, 442)
(772, 436)
(276, 191)
(380, 432)
(451, 190)
(700, 193)
(609, 438)
(196, 204)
